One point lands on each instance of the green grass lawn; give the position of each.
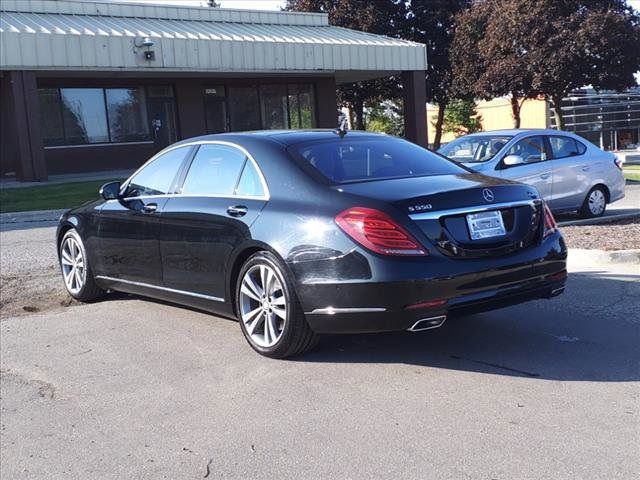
(632, 172)
(48, 197)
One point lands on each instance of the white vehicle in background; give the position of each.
(570, 173)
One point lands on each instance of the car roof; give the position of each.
(521, 131)
(284, 137)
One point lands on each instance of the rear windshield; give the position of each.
(353, 160)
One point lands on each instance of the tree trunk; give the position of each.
(515, 111)
(439, 121)
(556, 103)
(358, 115)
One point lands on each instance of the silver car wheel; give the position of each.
(263, 305)
(73, 265)
(597, 202)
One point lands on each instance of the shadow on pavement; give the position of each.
(591, 333)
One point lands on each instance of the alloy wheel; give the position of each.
(597, 202)
(73, 265)
(263, 305)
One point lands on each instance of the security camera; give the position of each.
(147, 42)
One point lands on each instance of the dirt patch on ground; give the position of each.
(617, 235)
(32, 292)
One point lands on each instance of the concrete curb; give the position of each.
(583, 256)
(29, 217)
(597, 221)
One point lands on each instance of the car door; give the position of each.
(571, 172)
(222, 193)
(127, 246)
(535, 170)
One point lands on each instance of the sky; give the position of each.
(245, 4)
(263, 4)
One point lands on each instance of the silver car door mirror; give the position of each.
(512, 160)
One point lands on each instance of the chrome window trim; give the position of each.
(165, 289)
(265, 187)
(478, 208)
(333, 310)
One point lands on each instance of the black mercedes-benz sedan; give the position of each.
(299, 233)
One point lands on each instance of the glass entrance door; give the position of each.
(215, 109)
(162, 116)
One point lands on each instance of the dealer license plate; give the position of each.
(485, 225)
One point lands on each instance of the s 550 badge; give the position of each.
(420, 208)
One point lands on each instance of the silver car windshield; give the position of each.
(474, 148)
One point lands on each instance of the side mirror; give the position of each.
(512, 160)
(110, 191)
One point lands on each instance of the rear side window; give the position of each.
(563, 147)
(250, 184)
(214, 171)
(157, 177)
(352, 160)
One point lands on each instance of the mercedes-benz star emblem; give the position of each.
(488, 195)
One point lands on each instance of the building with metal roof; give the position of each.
(89, 86)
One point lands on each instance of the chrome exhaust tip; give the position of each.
(427, 323)
(556, 292)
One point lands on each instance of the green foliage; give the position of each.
(380, 17)
(461, 117)
(544, 48)
(386, 117)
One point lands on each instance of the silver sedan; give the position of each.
(570, 173)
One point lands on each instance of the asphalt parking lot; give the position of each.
(130, 388)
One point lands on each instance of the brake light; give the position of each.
(618, 162)
(550, 225)
(378, 232)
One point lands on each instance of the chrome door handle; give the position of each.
(150, 208)
(585, 169)
(237, 210)
(544, 176)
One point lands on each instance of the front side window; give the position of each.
(475, 148)
(157, 177)
(563, 147)
(344, 160)
(214, 171)
(531, 150)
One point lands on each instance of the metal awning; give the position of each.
(82, 35)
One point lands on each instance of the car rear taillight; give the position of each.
(618, 162)
(378, 232)
(550, 225)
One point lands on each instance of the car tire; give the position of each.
(76, 270)
(595, 203)
(271, 318)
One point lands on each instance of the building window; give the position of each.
(84, 115)
(127, 113)
(81, 116)
(268, 107)
(244, 113)
(273, 106)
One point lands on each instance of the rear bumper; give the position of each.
(455, 287)
(355, 321)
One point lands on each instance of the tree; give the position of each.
(461, 117)
(380, 17)
(432, 22)
(386, 117)
(213, 3)
(546, 48)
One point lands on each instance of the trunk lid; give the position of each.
(439, 206)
